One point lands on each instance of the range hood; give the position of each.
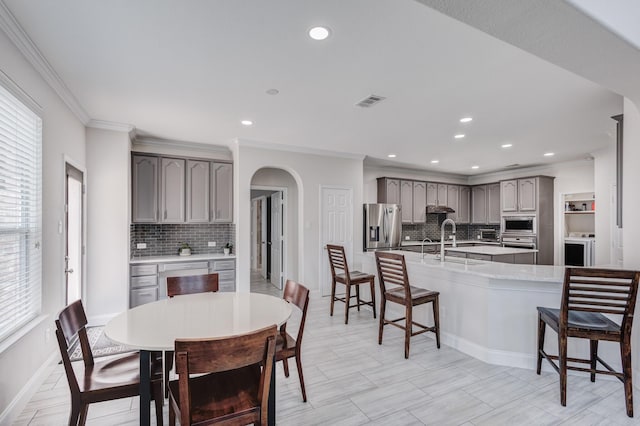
(431, 209)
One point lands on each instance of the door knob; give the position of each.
(68, 271)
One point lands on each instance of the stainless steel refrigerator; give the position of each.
(382, 226)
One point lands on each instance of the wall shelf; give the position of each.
(581, 212)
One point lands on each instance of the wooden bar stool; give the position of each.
(392, 269)
(587, 294)
(340, 274)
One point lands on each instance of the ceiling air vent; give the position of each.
(370, 101)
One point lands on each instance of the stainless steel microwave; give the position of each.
(518, 225)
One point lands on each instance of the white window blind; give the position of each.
(20, 214)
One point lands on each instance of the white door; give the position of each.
(277, 240)
(616, 232)
(254, 239)
(262, 231)
(74, 233)
(336, 227)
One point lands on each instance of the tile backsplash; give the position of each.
(431, 229)
(164, 239)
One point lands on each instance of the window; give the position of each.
(20, 214)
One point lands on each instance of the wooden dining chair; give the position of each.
(223, 380)
(340, 274)
(394, 287)
(587, 296)
(114, 377)
(286, 346)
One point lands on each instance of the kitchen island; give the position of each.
(494, 253)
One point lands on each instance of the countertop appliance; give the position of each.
(382, 226)
(579, 251)
(518, 225)
(488, 235)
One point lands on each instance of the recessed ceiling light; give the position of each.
(475, 167)
(466, 119)
(506, 145)
(272, 92)
(459, 136)
(319, 33)
(549, 154)
(391, 156)
(435, 161)
(247, 123)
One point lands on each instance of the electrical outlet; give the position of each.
(141, 246)
(211, 244)
(406, 237)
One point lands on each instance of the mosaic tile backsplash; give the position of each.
(431, 229)
(164, 239)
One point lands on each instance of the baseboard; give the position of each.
(18, 403)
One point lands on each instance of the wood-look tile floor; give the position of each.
(352, 380)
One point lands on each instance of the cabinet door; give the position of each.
(222, 198)
(527, 194)
(393, 192)
(464, 206)
(442, 195)
(197, 191)
(479, 204)
(172, 190)
(144, 178)
(419, 202)
(406, 200)
(453, 201)
(493, 203)
(432, 194)
(509, 195)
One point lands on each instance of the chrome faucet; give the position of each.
(453, 232)
(423, 241)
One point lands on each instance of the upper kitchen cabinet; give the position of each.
(419, 202)
(198, 191)
(432, 194)
(406, 200)
(453, 201)
(509, 195)
(479, 204)
(493, 203)
(526, 194)
(222, 192)
(442, 195)
(172, 190)
(463, 210)
(144, 180)
(389, 191)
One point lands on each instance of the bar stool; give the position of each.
(338, 262)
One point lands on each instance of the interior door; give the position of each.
(336, 227)
(262, 232)
(277, 261)
(74, 249)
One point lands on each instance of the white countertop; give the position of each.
(491, 250)
(176, 258)
(408, 243)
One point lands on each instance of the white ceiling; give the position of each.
(192, 70)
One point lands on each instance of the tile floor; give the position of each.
(351, 380)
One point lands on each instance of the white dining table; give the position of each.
(155, 327)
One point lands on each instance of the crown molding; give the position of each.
(246, 143)
(25, 45)
(111, 125)
(181, 145)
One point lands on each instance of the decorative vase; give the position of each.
(227, 251)
(185, 252)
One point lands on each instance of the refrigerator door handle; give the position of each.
(385, 226)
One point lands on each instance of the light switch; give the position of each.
(140, 246)
(211, 244)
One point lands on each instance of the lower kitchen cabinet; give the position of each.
(143, 284)
(226, 270)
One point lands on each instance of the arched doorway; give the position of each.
(274, 230)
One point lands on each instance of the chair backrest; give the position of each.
(198, 356)
(337, 260)
(392, 269)
(192, 284)
(298, 295)
(71, 325)
(604, 291)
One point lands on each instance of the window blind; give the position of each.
(20, 214)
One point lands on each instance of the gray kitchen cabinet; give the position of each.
(388, 190)
(453, 201)
(226, 270)
(442, 195)
(432, 194)
(463, 211)
(198, 191)
(406, 200)
(144, 189)
(479, 204)
(222, 192)
(509, 195)
(172, 190)
(419, 202)
(527, 195)
(493, 203)
(143, 286)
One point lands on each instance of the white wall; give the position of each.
(283, 179)
(108, 162)
(605, 178)
(310, 171)
(62, 135)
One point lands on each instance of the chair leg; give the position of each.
(358, 297)
(383, 305)
(333, 295)
(594, 356)
(407, 331)
(542, 326)
(373, 297)
(158, 400)
(436, 320)
(75, 412)
(172, 415)
(625, 351)
(83, 414)
(562, 364)
(347, 302)
(285, 365)
(299, 365)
